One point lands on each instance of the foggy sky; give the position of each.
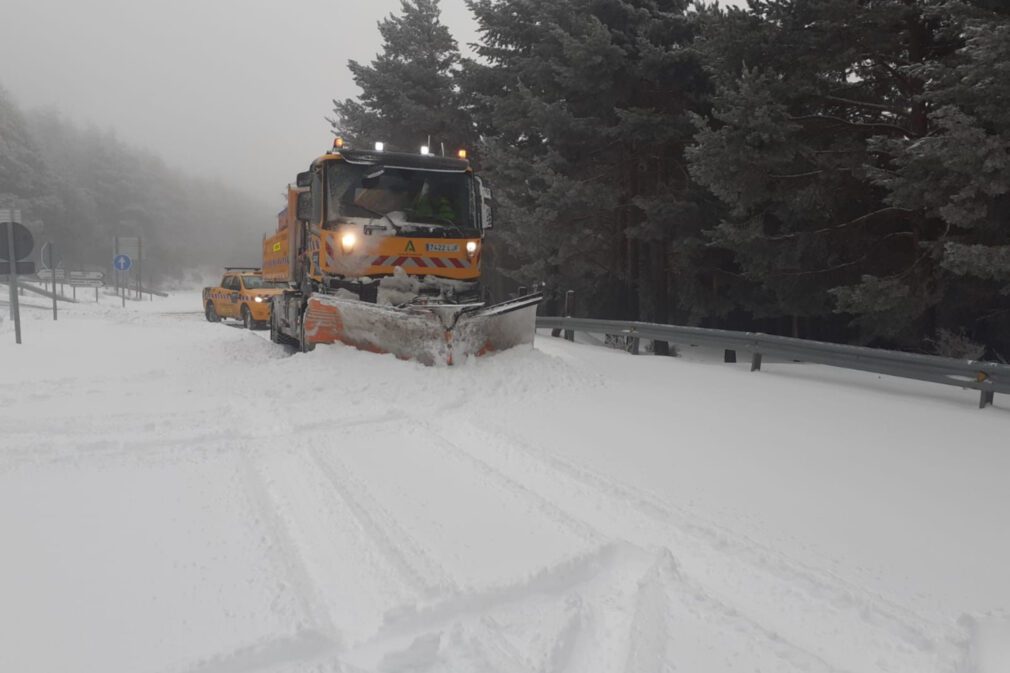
(233, 89)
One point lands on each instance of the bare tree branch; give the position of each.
(858, 260)
(837, 227)
(795, 176)
(869, 125)
(865, 104)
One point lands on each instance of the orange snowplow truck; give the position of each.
(382, 251)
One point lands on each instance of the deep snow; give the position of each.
(177, 496)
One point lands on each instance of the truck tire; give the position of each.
(247, 319)
(275, 334)
(211, 313)
(303, 343)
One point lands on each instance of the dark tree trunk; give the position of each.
(661, 291)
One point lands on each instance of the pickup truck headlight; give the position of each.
(348, 241)
(259, 300)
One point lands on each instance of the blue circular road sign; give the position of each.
(122, 262)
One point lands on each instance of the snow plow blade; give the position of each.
(433, 334)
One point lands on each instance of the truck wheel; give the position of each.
(303, 341)
(211, 313)
(275, 334)
(247, 319)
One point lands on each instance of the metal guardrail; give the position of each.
(988, 378)
(24, 285)
(157, 293)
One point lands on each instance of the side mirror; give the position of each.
(486, 205)
(304, 206)
(304, 179)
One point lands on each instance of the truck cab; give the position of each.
(359, 216)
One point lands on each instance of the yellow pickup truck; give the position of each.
(242, 295)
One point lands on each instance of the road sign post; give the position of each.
(140, 269)
(53, 267)
(94, 279)
(11, 220)
(122, 264)
(13, 280)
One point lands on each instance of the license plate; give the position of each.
(443, 247)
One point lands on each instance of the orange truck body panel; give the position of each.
(372, 256)
(277, 257)
(278, 249)
(382, 255)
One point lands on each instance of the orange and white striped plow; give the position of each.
(433, 334)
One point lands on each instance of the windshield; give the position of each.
(415, 196)
(257, 283)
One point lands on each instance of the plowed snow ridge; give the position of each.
(182, 497)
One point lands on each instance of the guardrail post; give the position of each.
(988, 397)
(755, 362)
(636, 343)
(522, 290)
(569, 309)
(729, 356)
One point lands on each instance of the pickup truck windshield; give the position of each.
(417, 196)
(257, 283)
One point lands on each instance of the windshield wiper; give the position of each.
(441, 222)
(396, 227)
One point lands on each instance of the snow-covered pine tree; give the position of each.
(409, 92)
(826, 143)
(24, 180)
(583, 107)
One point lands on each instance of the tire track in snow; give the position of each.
(476, 612)
(315, 637)
(619, 609)
(71, 444)
(499, 479)
(670, 609)
(575, 647)
(404, 553)
(286, 555)
(908, 635)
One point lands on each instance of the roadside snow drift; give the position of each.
(185, 497)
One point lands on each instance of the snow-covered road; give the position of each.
(182, 497)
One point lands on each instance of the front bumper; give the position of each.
(260, 312)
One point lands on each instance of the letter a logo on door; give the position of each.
(410, 246)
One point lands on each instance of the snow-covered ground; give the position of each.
(182, 497)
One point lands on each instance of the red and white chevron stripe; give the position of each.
(423, 262)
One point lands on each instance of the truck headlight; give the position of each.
(348, 241)
(471, 248)
(259, 300)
